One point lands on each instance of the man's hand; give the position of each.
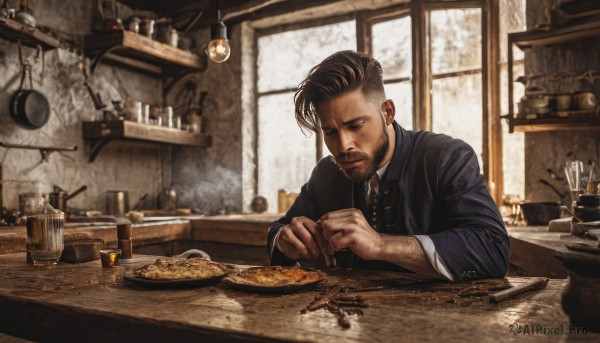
(301, 238)
(348, 228)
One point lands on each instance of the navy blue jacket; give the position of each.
(433, 187)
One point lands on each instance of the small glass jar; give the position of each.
(168, 116)
(134, 25)
(147, 27)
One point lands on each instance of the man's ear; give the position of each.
(389, 111)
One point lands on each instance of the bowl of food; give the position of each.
(540, 213)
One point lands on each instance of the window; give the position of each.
(285, 155)
(456, 72)
(391, 41)
(512, 19)
(453, 79)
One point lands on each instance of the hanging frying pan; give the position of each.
(29, 108)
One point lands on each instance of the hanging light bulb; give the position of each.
(218, 48)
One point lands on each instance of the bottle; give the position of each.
(124, 239)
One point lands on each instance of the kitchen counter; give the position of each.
(84, 301)
(533, 250)
(235, 238)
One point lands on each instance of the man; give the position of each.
(387, 197)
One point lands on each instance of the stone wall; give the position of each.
(550, 150)
(135, 168)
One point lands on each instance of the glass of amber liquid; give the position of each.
(45, 237)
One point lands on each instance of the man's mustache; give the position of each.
(351, 156)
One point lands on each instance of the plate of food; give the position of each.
(274, 279)
(179, 272)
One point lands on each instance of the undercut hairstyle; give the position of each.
(342, 72)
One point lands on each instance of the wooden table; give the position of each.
(71, 302)
(533, 250)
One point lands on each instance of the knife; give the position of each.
(535, 284)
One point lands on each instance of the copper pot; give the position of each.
(117, 203)
(58, 198)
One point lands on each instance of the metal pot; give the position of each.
(540, 213)
(117, 203)
(58, 198)
(41, 198)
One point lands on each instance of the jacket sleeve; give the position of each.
(476, 244)
(304, 205)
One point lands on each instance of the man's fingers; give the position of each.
(339, 214)
(317, 235)
(338, 242)
(307, 238)
(288, 238)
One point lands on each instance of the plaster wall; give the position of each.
(550, 150)
(135, 168)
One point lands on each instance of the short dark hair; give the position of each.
(339, 73)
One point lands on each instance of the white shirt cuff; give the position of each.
(434, 258)
(275, 240)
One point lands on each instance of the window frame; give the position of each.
(422, 76)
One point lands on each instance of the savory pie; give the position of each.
(182, 269)
(274, 277)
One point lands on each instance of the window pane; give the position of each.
(513, 155)
(392, 47)
(285, 156)
(284, 59)
(512, 19)
(401, 94)
(455, 40)
(457, 109)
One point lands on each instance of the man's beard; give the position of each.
(359, 175)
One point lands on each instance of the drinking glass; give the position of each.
(45, 237)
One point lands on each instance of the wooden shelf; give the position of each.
(530, 39)
(140, 52)
(103, 132)
(575, 120)
(554, 124)
(13, 30)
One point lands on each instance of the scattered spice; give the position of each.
(338, 303)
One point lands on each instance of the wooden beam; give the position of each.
(492, 126)
(421, 67)
(279, 8)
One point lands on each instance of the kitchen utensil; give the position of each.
(551, 186)
(58, 198)
(588, 207)
(117, 203)
(25, 197)
(167, 200)
(581, 229)
(561, 102)
(259, 204)
(29, 108)
(540, 213)
(25, 14)
(139, 203)
(535, 284)
(573, 172)
(585, 100)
